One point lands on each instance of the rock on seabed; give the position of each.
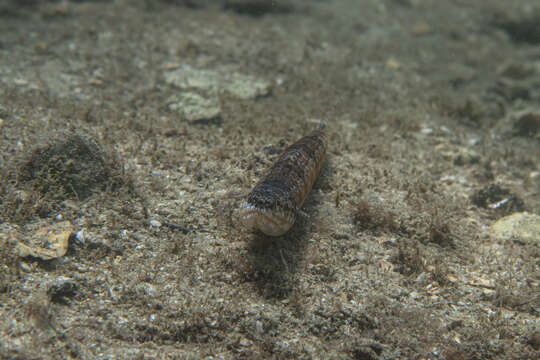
(522, 226)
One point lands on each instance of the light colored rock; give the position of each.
(522, 226)
(221, 79)
(466, 156)
(244, 86)
(55, 236)
(459, 156)
(195, 107)
(187, 77)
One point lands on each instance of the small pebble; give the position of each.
(393, 64)
(20, 82)
(25, 267)
(80, 236)
(155, 223)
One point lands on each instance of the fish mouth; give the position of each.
(269, 222)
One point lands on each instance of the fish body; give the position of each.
(274, 203)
